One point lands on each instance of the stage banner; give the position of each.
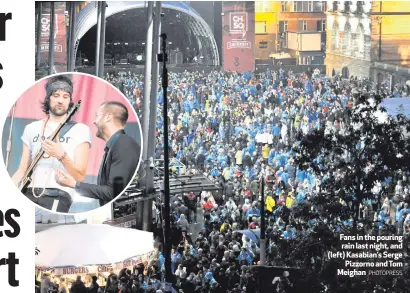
(95, 269)
(60, 35)
(238, 35)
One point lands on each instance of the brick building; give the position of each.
(280, 22)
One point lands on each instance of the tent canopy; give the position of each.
(80, 245)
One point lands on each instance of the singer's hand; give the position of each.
(53, 149)
(65, 179)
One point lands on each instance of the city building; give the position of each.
(294, 28)
(370, 39)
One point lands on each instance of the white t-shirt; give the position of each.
(44, 172)
(259, 137)
(270, 138)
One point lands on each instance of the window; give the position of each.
(263, 45)
(323, 6)
(262, 6)
(359, 7)
(283, 26)
(300, 25)
(335, 5)
(335, 36)
(258, 6)
(283, 40)
(321, 25)
(305, 60)
(304, 25)
(283, 6)
(295, 6)
(260, 27)
(310, 6)
(346, 7)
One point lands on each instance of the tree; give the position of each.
(373, 148)
(350, 165)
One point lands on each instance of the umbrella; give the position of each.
(82, 244)
(252, 234)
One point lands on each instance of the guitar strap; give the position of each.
(63, 132)
(66, 128)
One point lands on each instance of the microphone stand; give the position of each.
(8, 150)
(163, 57)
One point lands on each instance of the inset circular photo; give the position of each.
(72, 143)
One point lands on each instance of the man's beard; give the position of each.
(100, 131)
(58, 112)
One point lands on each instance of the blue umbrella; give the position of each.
(253, 234)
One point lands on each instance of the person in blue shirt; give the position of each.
(253, 212)
(404, 211)
(289, 233)
(253, 90)
(187, 107)
(383, 217)
(214, 122)
(210, 277)
(245, 255)
(279, 172)
(300, 175)
(222, 131)
(191, 137)
(197, 104)
(246, 171)
(310, 178)
(348, 223)
(252, 173)
(176, 259)
(285, 176)
(272, 155)
(159, 256)
(218, 96)
(185, 143)
(276, 130)
(160, 122)
(215, 172)
(301, 196)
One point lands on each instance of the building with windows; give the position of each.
(294, 27)
(370, 39)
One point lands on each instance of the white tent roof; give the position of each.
(82, 244)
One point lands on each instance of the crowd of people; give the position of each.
(232, 127)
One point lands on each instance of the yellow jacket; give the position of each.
(270, 203)
(224, 226)
(265, 151)
(207, 105)
(289, 201)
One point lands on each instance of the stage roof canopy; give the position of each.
(87, 18)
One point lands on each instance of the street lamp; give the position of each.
(379, 20)
(262, 229)
(169, 49)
